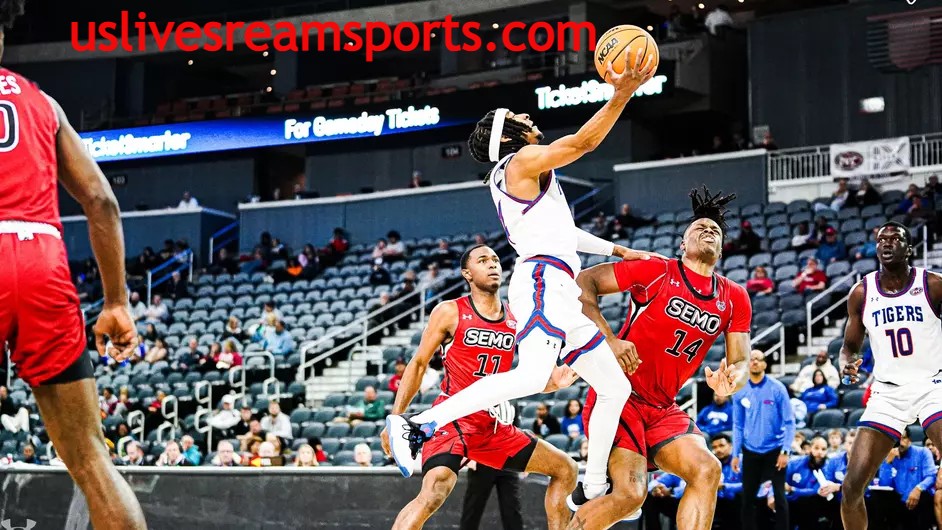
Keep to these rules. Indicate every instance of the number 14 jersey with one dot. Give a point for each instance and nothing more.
(674, 317)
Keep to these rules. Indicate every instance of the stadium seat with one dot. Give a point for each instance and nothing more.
(364, 382)
(779, 231)
(848, 212)
(865, 266)
(828, 419)
(300, 415)
(344, 458)
(785, 272)
(738, 275)
(559, 441)
(795, 318)
(765, 303)
(335, 400)
(855, 238)
(750, 210)
(733, 262)
(764, 320)
(565, 394)
(364, 430)
(337, 430)
(800, 217)
(762, 259)
(853, 399)
(837, 269)
(799, 205)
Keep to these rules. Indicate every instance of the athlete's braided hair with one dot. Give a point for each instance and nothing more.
(480, 140)
(710, 206)
(9, 10)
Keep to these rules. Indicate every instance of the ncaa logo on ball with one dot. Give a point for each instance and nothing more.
(607, 49)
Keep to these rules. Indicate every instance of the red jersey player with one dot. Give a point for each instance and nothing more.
(476, 336)
(40, 318)
(677, 310)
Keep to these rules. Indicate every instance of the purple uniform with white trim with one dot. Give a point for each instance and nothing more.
(906, 337)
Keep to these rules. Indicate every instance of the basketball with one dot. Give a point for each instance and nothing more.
(610, 48)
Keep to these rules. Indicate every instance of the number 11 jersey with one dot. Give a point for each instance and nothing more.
(674, 317)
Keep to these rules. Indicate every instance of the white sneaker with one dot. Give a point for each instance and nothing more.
(405, 440)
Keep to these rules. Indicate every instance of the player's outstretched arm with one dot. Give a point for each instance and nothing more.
(594, 282)
(853, 335)
(533, 160)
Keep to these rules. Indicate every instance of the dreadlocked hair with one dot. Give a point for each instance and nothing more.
(710, 206)
(9, 10)
(480, 140)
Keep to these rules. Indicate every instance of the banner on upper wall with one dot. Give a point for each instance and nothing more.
(552, 103)
(877, 157)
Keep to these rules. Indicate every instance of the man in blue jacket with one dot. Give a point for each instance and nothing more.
(808, 509)
(914, 481)
(763, 430)
(717, 416)
(663, 498)
(728, 500)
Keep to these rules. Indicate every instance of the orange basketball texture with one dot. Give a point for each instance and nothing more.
(611, 48)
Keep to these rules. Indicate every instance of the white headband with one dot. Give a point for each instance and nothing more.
(497, 131)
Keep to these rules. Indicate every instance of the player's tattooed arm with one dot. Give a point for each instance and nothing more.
(853, 335)
(439, 331)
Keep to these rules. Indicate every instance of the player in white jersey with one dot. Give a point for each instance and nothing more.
(543, 293)
(899, 308)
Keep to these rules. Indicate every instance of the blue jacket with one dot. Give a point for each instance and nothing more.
(732, 481)
(828, 251)
(767, 411)
(671, 482)
(566, 421)
(714, 419)
(915, 468)
(800, 476)
(836, 469)
(816, 396)
(279, 343)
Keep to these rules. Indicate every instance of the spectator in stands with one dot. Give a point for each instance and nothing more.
(276, 421)
(803, 238)
(571, 422)
(715, 19)
(278, 249)
(88, 288)
(246, 418)
(278, 341)
(616, 231)
(835, 441)
(868, 249)
(629, 220)
(930, 445)
(820, 396)
(305, 457)
(583, 452)
(379, 250)
(309, 261)
(157, 311)
(134, 454)
(166, 253)
(545, 423)
(319, 453)
(443, 256)
(760, 284)
(336, 248)
(172, 456)
(432, 281)
(739, 143)
(805, 377)
(150, 333)
(123, 405)
(831, 248)
(369, 408)
(229, 357)
(915, 475)
(13, 416)
(362, 455)
(932, 192)
(190, 451)
(799, 409)
(664, 494)
(718, 146)
(225, 455)
(395, 250)
(479, 239)
(177, 287)
(728, 496)
(106, 401)
(275, 441)
(223, 263)
(408, 300)
(811, 278)
(377, 324)
(157, 352)
(599, 225)
(270, 314)
(255, 263)
(145, 261)
(416, 180)
(188, 202)
(806, 507)
(379, 275)
(839, 198)
(188, 358)
(265, 450)
(748, 242)
(138, 308)
(226, 417)
(918, 215)
(400, 368)
(717, 416)
(798, 440)
(867, 195)
(768, 143)
(906, 203)
(233, 330)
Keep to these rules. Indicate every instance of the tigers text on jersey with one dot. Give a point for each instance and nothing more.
(674, 317)
(28, 162)
(542, 226)
(480, 347)
(905, 330)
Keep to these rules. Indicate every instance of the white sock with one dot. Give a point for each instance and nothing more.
(536, 364)
(603, 373)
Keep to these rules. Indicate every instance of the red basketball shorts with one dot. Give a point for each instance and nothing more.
(474, 438)
(644, 428)
(40, 318)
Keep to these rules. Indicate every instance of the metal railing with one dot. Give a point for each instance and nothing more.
(692, 402)
(136, 423)
(851, 278)
(218, 235)
(204, 407)
(172, 418)
(814, 163)
(594, 192)
(185, 260)
(776, 347)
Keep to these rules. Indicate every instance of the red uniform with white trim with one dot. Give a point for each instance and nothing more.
(480, 347)
(674, 317)
(40, 317)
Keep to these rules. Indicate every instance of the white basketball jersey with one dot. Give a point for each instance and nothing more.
(543, 226)
(905, 331)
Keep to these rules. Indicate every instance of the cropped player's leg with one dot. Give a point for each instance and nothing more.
(563, 473)
(871, 446)
(69, 406)
(688, 458)
(599, 368)
(436, 487)
(629, 472)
